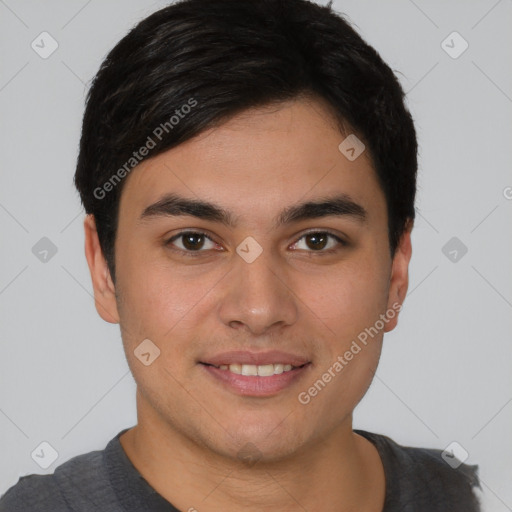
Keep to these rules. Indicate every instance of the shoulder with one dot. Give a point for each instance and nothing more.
(68, 484)
(421, 479)
(33, 492)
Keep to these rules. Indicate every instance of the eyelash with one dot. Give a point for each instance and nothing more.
(195, 254)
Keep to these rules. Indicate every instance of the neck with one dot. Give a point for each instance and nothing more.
(343, 472)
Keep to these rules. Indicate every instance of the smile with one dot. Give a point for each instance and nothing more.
(264, 370)
(255, 375)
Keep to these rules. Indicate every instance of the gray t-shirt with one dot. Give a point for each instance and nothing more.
(417, 480)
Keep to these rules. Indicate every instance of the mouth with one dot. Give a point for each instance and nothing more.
(256, 374)
(253, 370)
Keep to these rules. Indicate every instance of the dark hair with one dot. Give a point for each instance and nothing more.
(196, 63)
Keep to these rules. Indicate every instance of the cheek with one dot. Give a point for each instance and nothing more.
(154, 309)
(163, 303)
(350, 298)
(351, 303)
(152, 304)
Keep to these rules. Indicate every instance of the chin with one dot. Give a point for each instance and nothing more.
(252, 451)
(268, 440)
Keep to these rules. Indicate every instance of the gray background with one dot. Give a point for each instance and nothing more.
(445, 372)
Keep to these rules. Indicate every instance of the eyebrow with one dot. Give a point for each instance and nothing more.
(173, 205)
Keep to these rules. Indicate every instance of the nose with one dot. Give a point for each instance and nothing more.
(257, 297)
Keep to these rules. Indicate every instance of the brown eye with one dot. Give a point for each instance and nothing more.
(191, 241)
(319, 241)
(316, 241)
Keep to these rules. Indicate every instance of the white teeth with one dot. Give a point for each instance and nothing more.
(263, 370)
(278, 368)
(236, 368)
(249, 369)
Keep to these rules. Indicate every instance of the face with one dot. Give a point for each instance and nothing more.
(255, 296)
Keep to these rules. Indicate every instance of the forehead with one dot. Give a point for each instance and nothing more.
(258, 162)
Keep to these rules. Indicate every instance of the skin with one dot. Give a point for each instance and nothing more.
(292, 298)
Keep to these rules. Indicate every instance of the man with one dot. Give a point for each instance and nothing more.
(248, 171)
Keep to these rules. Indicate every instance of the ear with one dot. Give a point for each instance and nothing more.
(104, 289)
(399, 278)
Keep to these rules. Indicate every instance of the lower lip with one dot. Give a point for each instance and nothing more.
(252, 385)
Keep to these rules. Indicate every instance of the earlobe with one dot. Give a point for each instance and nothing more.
(399, 279)
(104, 289)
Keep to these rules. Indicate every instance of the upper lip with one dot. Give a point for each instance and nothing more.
(256, 358)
